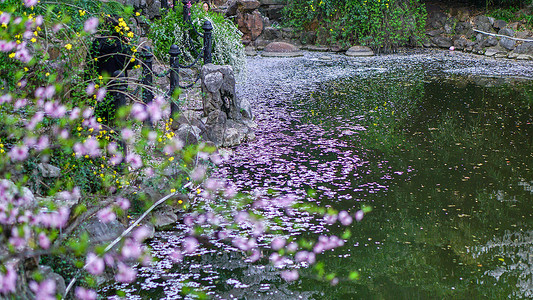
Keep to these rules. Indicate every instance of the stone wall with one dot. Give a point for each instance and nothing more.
(459, 30)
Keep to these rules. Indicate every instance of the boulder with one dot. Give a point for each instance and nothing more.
(271, 33)
(189, 134)
(483, 23)
(100, 232)
(442, 41)
(460, 43)
(508, 44)
(490, 42)
(163, 219)
(250, 51)
(49, 171)
(464, 28)
(248, 5)
(218, 88)
(250, 24)
(435, 32)
(507, 32)
(20, 197)
(281, 49)
(499, 24)
(524, 48)
(216, 126)
(359, 51)
(494, 51)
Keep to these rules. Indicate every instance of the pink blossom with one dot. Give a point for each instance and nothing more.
(45, 290)
(5, 98)
(90, 89)
(359, 215)
(87, 113)
(44, 241)
(277, 243)
(18, 153)
(85, 294)
(49, 91)
(90, 25)
(125, 274)
(100, 94)
(109, 260)
(7, 46)
(106, 215)
(176, 255)
(290, 275)
(198, 173)
(91, 147)
(131, 249)
(127, 134)
(345, 218)
(39, 20)
(94, 264)
(5, 18)
(134, 160)
(43, 143)
(30, 3)
(20, 103)
(305, 256)
(123, 203)
(292, 247)
(189, 245)
(255, 256)
(330, 219)
(116, 159)
(8, 281)
(138, 112)
(141, 233)
(23, 55)
(36, 119)
(75, 113)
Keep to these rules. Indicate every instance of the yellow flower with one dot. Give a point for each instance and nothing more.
(11, 55)
(173, 191)
(132, 59)
(68, 46)
(130, 34)
(171, 158)
(47, 74)
(180, 202)
(137, 14)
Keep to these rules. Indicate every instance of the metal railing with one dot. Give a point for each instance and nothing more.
(147, 77)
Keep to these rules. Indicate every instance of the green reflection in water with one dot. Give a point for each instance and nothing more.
(458, 226)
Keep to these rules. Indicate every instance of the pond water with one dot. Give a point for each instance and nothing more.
(439, 144)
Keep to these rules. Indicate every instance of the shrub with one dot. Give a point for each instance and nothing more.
(171, 29)
(382, 25)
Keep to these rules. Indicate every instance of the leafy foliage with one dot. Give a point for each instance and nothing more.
(171, 29)
(382, 25)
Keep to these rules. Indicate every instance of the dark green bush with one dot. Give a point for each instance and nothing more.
(383, 25)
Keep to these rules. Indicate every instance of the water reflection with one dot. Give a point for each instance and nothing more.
(441, 150)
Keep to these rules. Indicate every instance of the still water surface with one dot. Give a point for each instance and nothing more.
(439, 144)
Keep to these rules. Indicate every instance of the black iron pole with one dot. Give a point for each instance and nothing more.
(147, 78)
(174, 77)
(208, 30)
(186, 10)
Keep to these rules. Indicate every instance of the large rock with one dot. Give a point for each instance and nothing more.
(218, 88)
(508, 44)
(359, 51)
(442, 41)
(189, 134)
(49, 171)
(499, 24)
(100, 232)
(271, 33)
(524, 48)
(281, 49)
(248, 5)
(19, 197)
(250, 24)
(164, 220)
(216, 126)
(464, 28)
(483, 23)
